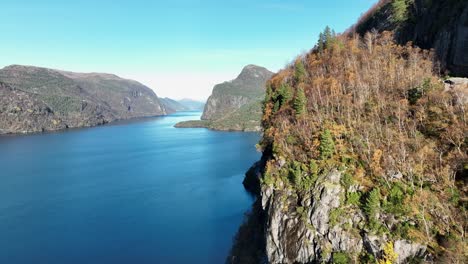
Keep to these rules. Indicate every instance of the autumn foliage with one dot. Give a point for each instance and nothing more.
(394, 129)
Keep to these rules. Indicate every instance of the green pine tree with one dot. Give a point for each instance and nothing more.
(268, 93)
(276, 107)
(326, 39)
(285, 94)
(328, 35)
(321, 42)
(300, 102)
(327, 146)
(299, 72)
(372, 205)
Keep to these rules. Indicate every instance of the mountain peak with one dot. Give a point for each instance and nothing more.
(252, 73)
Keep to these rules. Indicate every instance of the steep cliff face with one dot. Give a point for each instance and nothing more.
(305, 229)
(230, 96)
(235, 105)
(219, 105)
(71, 99)
(364, 152)
(440, 25)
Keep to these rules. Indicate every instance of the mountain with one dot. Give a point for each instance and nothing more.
(192, 105)
(173, 106)
(440, 25)
(39, 99)
(364, 158)
(235, 105)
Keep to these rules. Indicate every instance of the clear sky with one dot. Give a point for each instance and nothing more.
(180, 48)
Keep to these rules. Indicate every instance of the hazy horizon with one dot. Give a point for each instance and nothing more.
(179, 49)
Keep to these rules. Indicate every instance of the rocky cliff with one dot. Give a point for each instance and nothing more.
(38, 99)
(235, 105)
(229, 96)
(364, 160)
(440, 25)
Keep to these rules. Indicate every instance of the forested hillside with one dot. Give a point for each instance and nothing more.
(364, 159)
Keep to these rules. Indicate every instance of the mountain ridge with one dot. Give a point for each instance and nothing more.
(75, 99)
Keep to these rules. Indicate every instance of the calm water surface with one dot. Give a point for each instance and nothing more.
(137, 192)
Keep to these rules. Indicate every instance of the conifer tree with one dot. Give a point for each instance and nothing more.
(326, 39)
(327, 146)
(299, 72)
(328, 35)
(285, 94)
(300, 102)
(321, 42)
(268, 93)
(372, 204)
(276, 107)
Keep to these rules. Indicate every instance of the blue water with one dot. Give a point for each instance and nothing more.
(135, 192)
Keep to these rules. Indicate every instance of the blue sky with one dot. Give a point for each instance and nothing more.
(180, 48)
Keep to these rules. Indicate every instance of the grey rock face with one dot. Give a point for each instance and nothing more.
(219, 105)
(457, 81)
(308, 236)
(304, 237)
(450, 38)
(328, 199)
(373, 244)
(460, 53)
(407, 250)
(459, 87)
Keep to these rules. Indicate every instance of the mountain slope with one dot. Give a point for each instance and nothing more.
(440, 25)
(76, 99)
(235, 105)
(172, 106)
(365, 159)
(23, 112)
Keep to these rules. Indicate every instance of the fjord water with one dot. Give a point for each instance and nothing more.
(134, 192)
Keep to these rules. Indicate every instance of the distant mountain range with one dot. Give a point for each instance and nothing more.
(34, 99)
(235, 105)
(192, 105)
(173, 106)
